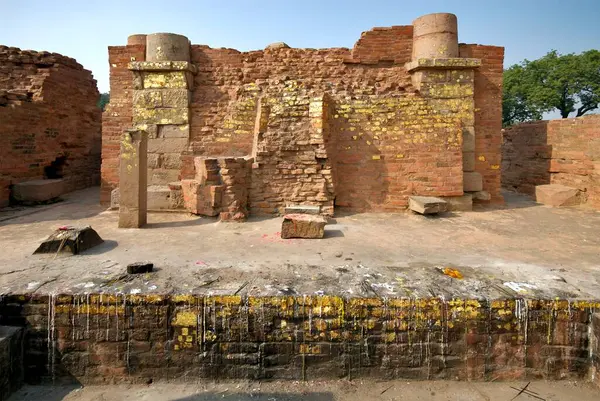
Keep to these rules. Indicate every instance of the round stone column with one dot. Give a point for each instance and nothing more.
(138, 39)
(435, 36)
(167, 47)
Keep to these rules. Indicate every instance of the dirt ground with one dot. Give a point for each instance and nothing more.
(319, 391)
(522, 249)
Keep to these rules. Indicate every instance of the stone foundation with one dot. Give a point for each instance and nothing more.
(103, 338)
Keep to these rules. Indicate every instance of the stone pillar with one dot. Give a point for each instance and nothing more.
(161, 106)
(137, 39)
(133, 179)
(448, 81)
(167, 47)
(435, 36)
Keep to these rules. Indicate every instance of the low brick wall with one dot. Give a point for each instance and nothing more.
(595, 348)
(11, 360)
(136, 338)
(565, 151)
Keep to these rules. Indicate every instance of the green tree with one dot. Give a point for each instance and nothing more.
(103, 100)
(568, 83)
(516, 104)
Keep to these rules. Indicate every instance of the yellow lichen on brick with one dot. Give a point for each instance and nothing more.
(184, 318)
(171, 80)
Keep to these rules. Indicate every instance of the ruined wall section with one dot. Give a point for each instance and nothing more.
(565, 151)
(291, 162)
(225, 105)
(48, 110)
(116, 338)
(393, 147)
(384, 44)
(229, 86)
(488, 114)
(117, 116)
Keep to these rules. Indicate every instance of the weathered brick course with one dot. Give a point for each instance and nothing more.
(103, 338)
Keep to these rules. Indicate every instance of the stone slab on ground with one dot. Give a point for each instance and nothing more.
(140, 267)
(427, 204)
(11, 360)
(462, 203)
(557, 195)
(302, 209)
(70, 239)
(303, 226)
(38, 190)
(482, 196)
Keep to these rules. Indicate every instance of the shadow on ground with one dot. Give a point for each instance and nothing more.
(259, 397)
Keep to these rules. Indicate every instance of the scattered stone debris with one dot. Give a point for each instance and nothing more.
(70, 239)
(427, 204)
(557, 195)
(303, 226)
(140, 267)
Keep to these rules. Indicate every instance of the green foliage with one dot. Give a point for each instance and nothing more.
(103, 100)
(516, 104)
(568, 83)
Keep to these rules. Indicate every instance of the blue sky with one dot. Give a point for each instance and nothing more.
(84, 28)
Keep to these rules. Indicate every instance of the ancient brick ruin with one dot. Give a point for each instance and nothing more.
(565, 152)
(50, 126)
(407, 111)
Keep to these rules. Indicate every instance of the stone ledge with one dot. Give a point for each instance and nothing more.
(456, 63)
(162, 66)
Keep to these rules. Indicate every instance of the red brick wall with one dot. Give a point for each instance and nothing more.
(384, 44)
(47, 110)
(224, 108)
(390, 148)
(488, 114)
(565, 151)
(116, 338)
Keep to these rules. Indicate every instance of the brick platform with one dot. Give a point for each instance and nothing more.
(104, 338)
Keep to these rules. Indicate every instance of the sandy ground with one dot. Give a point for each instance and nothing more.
(318, 391)
(523, 249)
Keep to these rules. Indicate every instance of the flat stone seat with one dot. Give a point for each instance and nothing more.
(300, 225)
(427, 204)
(303, 209)
(38, 190)
(557, 195)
